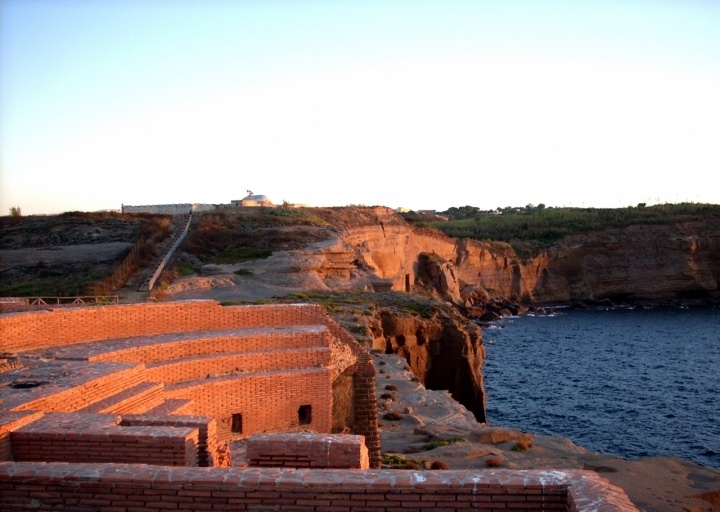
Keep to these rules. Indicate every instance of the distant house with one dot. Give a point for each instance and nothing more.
(252, 200)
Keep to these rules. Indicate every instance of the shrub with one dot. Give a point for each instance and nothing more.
(184, 270)
(412, 464)
(392, 416)
(494, 462)
(522, 445)
(439, 464)
(391, 387)
(243, 272)
(444, 442)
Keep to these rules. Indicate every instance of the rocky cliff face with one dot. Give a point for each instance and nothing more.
(444, 351)
(650, 262)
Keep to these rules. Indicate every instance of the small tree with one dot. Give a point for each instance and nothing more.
(15, 211)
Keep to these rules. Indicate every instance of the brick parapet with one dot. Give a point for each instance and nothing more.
(142, 488)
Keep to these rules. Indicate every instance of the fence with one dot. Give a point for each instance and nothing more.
(8, 304)
(124, 270)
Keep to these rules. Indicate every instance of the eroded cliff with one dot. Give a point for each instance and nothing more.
(443, 350)
(644, 262)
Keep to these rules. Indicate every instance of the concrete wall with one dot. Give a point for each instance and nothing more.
(170, 209)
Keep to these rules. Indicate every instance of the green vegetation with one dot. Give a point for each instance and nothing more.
(243, 272)
(46, 276)
(444, 442)
(184, 270)
(251, 234)
(397, 461)
(363, 302)
(533, 228)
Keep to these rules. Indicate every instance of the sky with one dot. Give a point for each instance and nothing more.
(418, 104)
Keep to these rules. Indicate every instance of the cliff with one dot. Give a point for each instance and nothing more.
(644, 262)
(443, 351)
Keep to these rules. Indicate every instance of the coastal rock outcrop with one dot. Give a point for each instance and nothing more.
(443, 350)
(375, 249)
(650, 262)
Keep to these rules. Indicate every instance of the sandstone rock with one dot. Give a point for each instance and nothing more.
(443, 352)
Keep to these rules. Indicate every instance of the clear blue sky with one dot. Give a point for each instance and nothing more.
(422, 104)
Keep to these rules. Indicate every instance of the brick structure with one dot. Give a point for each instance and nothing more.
(141, 488)
(245, 369)
(309, 451)
(114, 408)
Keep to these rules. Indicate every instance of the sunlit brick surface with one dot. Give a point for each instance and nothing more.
(114, 408)
(152, 489)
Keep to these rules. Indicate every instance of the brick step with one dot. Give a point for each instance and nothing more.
(87, 387)
(168, 407)
(208, 366)
(137, 400)
(164, 347)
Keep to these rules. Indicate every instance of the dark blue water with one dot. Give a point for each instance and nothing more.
(625, 382)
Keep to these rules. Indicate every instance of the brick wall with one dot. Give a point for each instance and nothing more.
(307, 450)
(201, 367)
(181, 345)
(142, 488)
(207, 445)
(248, 395)
(32, 330)
(100, 438)
(10, 422)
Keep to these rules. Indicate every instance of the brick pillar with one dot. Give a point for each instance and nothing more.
(366, 423)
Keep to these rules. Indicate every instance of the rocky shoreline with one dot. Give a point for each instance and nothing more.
(425, 428)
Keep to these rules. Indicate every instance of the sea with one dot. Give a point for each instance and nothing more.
(621, 381)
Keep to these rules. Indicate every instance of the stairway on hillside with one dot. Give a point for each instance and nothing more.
(166, 250)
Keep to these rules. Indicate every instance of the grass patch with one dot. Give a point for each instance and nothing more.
(396, 461)
(538, 227)
(231, 255)
(184, 270)
(444, 442)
